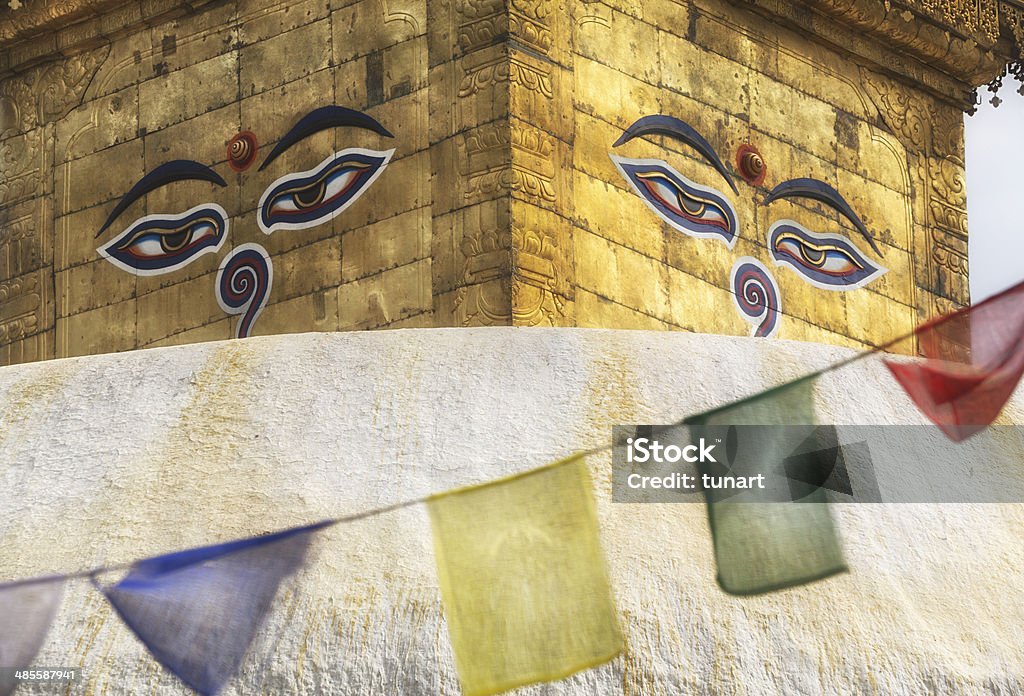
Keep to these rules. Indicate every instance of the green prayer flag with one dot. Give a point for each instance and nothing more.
(780, 533)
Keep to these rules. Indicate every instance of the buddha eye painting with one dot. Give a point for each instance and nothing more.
(509, 347)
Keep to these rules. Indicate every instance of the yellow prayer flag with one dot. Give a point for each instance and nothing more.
(523, 578)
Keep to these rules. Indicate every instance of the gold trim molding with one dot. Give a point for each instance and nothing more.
(41, 30)
(949, 47)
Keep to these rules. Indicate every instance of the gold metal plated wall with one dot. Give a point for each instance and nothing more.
(177, 172)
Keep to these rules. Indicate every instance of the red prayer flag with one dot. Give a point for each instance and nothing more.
(974, 359)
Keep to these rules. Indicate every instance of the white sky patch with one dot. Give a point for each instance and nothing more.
(995, 192)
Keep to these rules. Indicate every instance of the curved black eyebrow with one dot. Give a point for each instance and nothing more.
(169, 172)
(823, 193)
(659, 124)
(321, 119)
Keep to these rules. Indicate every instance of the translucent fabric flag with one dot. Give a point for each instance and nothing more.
(974, 359)
(26, 611)
(782, 534)
(197, 611)
(523, 578)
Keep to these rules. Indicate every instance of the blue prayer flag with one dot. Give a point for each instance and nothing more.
(197, 611)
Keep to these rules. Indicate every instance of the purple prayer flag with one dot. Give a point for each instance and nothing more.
(197, 611)
(26, 611)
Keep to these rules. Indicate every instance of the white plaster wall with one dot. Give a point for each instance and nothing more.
(110, 458)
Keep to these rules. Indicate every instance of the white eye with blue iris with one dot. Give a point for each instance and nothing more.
(695, 210)
(306, 199)
(158, 244)
(827, 261)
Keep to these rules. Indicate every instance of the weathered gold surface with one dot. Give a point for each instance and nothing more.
(501, 205)
(925, 41)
